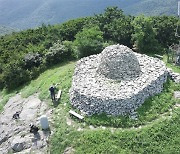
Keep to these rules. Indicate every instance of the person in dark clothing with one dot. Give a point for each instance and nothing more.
(33, 129)
(16, 115)
(52, 92)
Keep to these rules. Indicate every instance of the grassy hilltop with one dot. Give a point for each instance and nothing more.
(32, 60)
(156, 130)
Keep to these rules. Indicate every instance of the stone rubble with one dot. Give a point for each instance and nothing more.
(116, 81)
(174, 76)
(120, 64)
(177, 94)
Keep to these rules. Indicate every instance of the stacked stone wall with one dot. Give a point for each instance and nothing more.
(93, 92)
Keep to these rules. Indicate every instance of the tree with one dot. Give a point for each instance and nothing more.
(69, 29)
(14, 75)
(166, 29)
(59, 52)
(89, 41)
(115, 26)
(144, 35)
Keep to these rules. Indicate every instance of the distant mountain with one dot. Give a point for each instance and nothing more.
(6, 30)
(152, 7)
(32, 13)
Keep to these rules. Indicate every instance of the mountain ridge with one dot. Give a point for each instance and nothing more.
(6, 30)
(31, 13)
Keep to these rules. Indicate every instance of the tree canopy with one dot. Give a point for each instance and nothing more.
(89, 41)
(25, 54)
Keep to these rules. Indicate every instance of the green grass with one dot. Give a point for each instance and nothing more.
(161, 138)
(4, 97)
(149, 111)
(160, 135)
(60, 74)
(170, 65)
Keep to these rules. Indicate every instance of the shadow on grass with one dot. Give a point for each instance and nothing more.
(55, 103)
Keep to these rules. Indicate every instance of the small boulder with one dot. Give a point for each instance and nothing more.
(18, 144)
(177, 94)
(44, 122)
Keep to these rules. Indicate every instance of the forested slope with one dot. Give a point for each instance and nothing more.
(152, 7)
(24, 55)
(32, 13)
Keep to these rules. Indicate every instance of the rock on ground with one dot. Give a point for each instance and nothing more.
(177, 94)
(14, 133)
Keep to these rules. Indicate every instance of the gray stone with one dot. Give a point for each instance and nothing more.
(18, 144)
(44, 122)
(14, 134)
(3, 139)
(177, 94)
(116, 81)
(174, 76)
(118, 62)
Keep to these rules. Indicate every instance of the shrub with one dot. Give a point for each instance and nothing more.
(89, 41)
(35, 71)
(144, 35)
(57, 53)
(14, 75)
(1, 81)
(32, 60)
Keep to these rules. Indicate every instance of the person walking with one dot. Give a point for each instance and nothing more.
(52, 92)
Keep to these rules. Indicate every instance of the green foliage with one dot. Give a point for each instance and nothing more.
(32, 51)
(24, 55)
(166, 28)
(14, 75)
(89, 41)
(57, 53)
(32, 60)
(115, 26)
(144, 35)
(69, 29)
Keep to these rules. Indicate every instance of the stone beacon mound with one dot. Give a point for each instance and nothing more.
(116, 81)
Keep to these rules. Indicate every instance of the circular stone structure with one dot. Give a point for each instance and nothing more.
(116, 81)
(119, 63)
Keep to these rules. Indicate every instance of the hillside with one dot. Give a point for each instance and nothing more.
(33, 59)
(6, 30)
(157, 129)
(26, 54)
(31, 13)
(152, 7)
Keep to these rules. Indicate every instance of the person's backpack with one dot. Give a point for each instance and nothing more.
(16, 115)
(33, 129)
